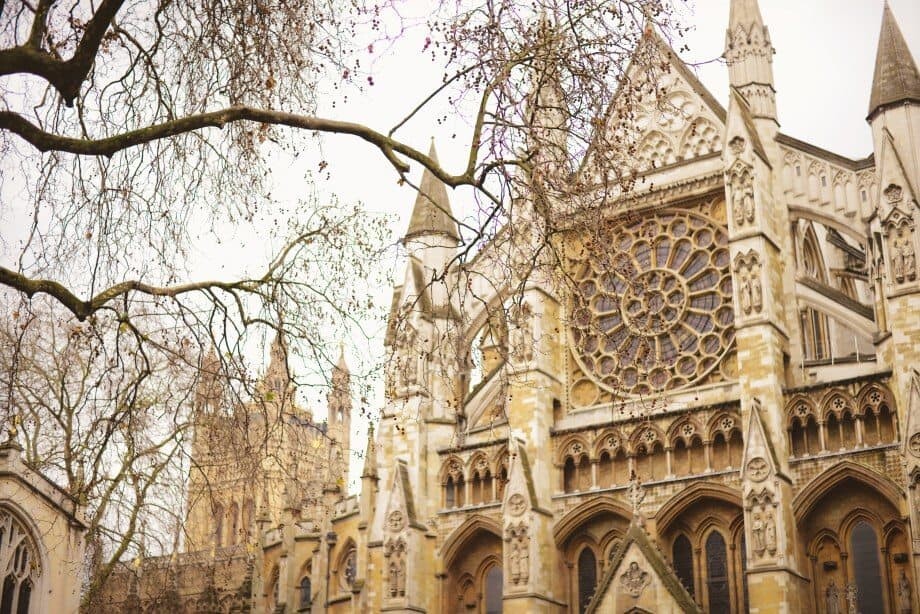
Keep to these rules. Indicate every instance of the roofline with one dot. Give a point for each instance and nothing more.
(855, 165)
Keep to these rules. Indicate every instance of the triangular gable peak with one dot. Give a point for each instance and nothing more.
(639, 579)
(891, 173)
(520, 494)
(400, 505)
(759, 459)
(662, 113)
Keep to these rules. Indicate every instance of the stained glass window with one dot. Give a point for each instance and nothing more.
(717, 573)
(305, 590)
(587, 578)
(866, 568)
(494, 590)
(682, 555)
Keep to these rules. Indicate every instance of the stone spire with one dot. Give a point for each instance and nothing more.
(749, 54)
(370, 456)
(432, 214)
(896, 77)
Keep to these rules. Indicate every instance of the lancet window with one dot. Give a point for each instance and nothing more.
(18, 551)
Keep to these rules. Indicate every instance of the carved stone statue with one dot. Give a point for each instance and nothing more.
(742, 198)
(905, 603)
(746, 302)
(832, 598)
(518, 553)
(769, 533)
(756, 290)
(523, 340)
(852, 606)
(757, 534)
(903, 257)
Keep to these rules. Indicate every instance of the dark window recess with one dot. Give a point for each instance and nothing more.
(682, 555)
(587, 578)
(717, 572)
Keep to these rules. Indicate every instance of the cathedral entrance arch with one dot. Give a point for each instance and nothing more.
(701, 532)
(587, 537)
(472, 557)
(855, 541)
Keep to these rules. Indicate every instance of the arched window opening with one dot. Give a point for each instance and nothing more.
(832, 433)
(218, 525)
(812, 263)
(697, 456)
(450, 499)
(719, 452)
(568, 475)
(812, 437)
(605, 470)
(620, 467)
(493, 590)
(659, 462)
(234, 517)
(814, 335)
(487, 487)
(22, 566)
(798, 438)
(502, 482)
(587, 578)
(848, 430)
(867, 570)
(680, 458)
(460, 492)
(584, 473)
(305, 592)
(886, 425)
(870, 427)
(682, 558)
(477, 489)
(717, 573)
(735, 448)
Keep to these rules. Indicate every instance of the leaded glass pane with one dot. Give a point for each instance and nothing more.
(717, 574)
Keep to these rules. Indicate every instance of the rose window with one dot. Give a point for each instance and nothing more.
(654, 305)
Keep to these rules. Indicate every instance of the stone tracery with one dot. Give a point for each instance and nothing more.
(657, 315)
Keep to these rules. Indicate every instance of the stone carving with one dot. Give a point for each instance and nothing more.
(634, 580)
(758, 469)
(747, 270)
(522, 342)
(396, 521)
(913, 444)
(394, 552)
(517, 504)
(769, 533)
(736, 145)
(832, 598)
(757, 533)
(518, 540)
(903, 256)
(763, 524)
(894, 194)
(742, 194)
(905, 603)
(852, 592)
(635, 494)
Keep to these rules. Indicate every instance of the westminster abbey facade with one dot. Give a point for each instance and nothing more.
(724, 419)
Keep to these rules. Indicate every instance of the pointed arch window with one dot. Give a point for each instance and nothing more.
(493, 590)
(682, 557)
(717, 573)
(22, 566)
(569, 483)
(305, 592)
(864, 551)
(587, 578)
(450, 499)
